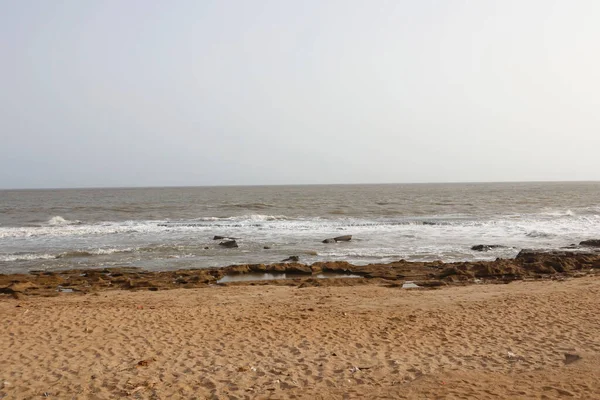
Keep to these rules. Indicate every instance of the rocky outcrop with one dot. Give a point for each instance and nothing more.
(291, 258)
(552, 262)
(529, 264)
(16, 289)
(332, 266)
(294, 268)
(286, 268)
(590, 243)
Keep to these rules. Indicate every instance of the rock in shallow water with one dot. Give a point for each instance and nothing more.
(485, 247)
(591, 243)
(344, 238)
(229, 244)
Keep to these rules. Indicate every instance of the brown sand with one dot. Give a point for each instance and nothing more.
(370, 341)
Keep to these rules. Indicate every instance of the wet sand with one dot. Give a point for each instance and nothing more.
(482, 341)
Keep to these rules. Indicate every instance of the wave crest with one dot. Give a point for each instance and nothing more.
(60, 221)
(558, 213)
(67, 254)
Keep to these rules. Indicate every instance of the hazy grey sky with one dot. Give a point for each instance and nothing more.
(145, 93)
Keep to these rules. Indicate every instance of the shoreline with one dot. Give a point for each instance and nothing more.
(527, 265)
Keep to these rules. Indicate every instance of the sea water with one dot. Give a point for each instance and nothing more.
(173, 228)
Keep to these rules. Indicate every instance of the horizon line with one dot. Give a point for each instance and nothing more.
(291, 184)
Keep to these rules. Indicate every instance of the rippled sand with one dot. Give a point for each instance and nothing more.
(479, 341)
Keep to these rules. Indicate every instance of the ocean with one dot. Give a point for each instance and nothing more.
(173, 228)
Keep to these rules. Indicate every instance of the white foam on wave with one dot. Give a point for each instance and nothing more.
(558, 213)
(66, 254)
(373, 239)
(60, 221)
(26, 257)
(508, 226)
(95, 252)
(101, 252)
(104, 228)
(248, 217)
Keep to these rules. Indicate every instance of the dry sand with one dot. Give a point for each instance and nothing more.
(478, 341)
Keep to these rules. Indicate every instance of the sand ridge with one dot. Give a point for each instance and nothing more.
(246, 342)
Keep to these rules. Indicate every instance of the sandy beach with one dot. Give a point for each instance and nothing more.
(299, 200)
(366, 341)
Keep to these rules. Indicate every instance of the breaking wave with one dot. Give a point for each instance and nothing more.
(558, 213)
(66, 254)
(60, 221)
(534, 225)
(26, 257)
(250, 217)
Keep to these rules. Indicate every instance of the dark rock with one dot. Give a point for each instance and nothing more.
(590, 243)
(267, 247)
(217, 237)
(145, 363)
(206, 247)
(550, 262)
(571, 358)
(485, 247)
(292, 258)
(229, 244)
(571, 246)
(526, 253)
(430, 283)
(345, 238)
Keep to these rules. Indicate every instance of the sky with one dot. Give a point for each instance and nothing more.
(189, 93)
